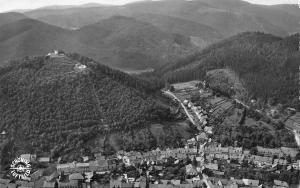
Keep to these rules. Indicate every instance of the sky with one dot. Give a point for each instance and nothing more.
(7, 5)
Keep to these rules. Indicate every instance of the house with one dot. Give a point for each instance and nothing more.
(3, 134)
(274, 112)
(190, 170)
(181, 156)
(69, 184)
(127, 185)
(269, 151)
(191, 141)
(29, 157)
(76, 176)
(65, 167)
(12, 185)
(201, 137)
(115, 183)
(258, 160)
(235, 150)
(280, 161)
(291, 111)
(88, 176)
(289, 151)
(47, 184)
(4, 181)
(239, 182)
(279, 183)
(96, 184)
(185, 186)
(296, 165)
(212, 166)
(73, 167)
(208, 130)
(100, 165)
(99, 156)
(80, 67)
(165, 182)
(24, 184)
(37, 174)
(158, 168)
(246, 152)
(55, 53)
(44, 159)
(82, 167)
(218, 173)
(85, 159)
(52, 177)
(226, 183)
(250, 182)
(185, 102)
(175, 182)
(223, 149)
(222, 156)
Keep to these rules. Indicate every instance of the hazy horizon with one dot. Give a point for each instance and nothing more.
(13, 5)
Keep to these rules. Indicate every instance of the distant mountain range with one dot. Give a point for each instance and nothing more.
(6, 18)
(228, 17)
(140, 35)
(117, 41)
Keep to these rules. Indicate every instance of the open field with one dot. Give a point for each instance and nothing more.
(293, 122)
(186, 85)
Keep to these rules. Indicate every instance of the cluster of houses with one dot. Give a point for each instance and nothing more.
(34, 158)
(80, 67)
(6, 183)
(264, 157)
(55, 54)
(201, 114)
(80, 175)
(78, 180)
(189, 183)
(100, 164)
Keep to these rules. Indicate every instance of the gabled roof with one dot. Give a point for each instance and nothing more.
(12, 185)
(251, 182)
(72, 183)
(44, 159)
(24, 183)
(4, 181)
(76, 176)
(281, 183)
(48, 184)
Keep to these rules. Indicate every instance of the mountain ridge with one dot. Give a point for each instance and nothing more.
(51, 103)
(266, 64)
(31, 37)
(240, 14)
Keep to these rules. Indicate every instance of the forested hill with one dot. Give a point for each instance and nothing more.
(52, 103)
(267, 65)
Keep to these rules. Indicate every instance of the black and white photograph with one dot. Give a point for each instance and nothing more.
(149, 94)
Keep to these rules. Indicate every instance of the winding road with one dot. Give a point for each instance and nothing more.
(185, 109)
